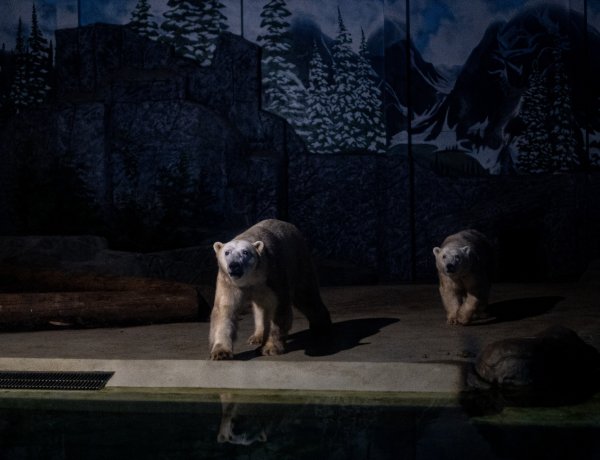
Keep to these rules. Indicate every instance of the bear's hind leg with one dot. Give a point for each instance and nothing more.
(307, 300)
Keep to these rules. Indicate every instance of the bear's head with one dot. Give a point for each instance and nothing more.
(238, 258)
(452, 260)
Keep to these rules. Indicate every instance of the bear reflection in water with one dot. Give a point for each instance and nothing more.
(346, 427)
(231, 418)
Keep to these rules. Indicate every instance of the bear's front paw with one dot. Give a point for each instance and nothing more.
(272, 349)
(464, 318)
(255, 339)
(452, 319)
(219, 352)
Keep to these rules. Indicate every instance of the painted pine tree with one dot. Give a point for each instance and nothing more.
(283, 91)
(561, 120)
(179, 26)
(142, 21)
(318, 107)
(193, 26)
(347, 133)
(193, 29)
(18, 95)
(38, 74)
(212, 23)
(369, 103)
(534, 150)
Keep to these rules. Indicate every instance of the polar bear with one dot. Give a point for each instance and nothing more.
(464, 263)
(268, 267)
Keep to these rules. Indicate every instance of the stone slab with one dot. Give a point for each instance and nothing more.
(267, 375)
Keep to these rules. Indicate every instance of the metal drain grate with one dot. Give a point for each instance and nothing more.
(36, 380)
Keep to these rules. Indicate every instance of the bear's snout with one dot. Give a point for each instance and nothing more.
(450, 268)
(235, 269)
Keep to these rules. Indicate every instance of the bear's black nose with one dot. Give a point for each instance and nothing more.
(450, 268)
(235, 269)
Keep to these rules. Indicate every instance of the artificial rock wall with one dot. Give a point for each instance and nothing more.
(155, 152)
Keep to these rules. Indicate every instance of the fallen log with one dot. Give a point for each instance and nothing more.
(22, 279)
(32, 299)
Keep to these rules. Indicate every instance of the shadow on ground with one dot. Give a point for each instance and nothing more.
(516, 309)
(344, 335)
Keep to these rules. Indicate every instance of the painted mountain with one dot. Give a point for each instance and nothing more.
(388, 51)
(523, 99)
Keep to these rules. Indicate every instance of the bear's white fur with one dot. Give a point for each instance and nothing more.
(268, 267)
(464, 264)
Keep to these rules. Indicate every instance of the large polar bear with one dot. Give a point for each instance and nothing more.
(464, 264)
(268, 267)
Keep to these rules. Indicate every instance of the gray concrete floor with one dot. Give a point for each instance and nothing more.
(371, 324)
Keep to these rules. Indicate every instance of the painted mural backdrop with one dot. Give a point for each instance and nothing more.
(467, 87)
(512, 85)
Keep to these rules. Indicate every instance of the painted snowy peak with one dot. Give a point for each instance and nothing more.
(391, 41)
(392, 32)
(485, 111)
(389, 54)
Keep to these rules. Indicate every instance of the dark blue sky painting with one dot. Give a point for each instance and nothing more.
(444, 31)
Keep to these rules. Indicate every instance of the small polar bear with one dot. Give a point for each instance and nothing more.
(464, 263)
(267, 267)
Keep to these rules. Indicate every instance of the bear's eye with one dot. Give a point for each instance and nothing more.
(227, 253)
(245, 252)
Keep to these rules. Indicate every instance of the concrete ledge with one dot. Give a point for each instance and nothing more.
(265, 375)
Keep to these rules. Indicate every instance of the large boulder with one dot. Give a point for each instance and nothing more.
(553, 367)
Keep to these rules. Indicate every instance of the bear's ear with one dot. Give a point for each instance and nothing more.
(466, 250)
(436, 251)
(259, 245)
(217, 247)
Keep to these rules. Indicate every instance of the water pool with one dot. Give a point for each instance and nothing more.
(130, 423)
